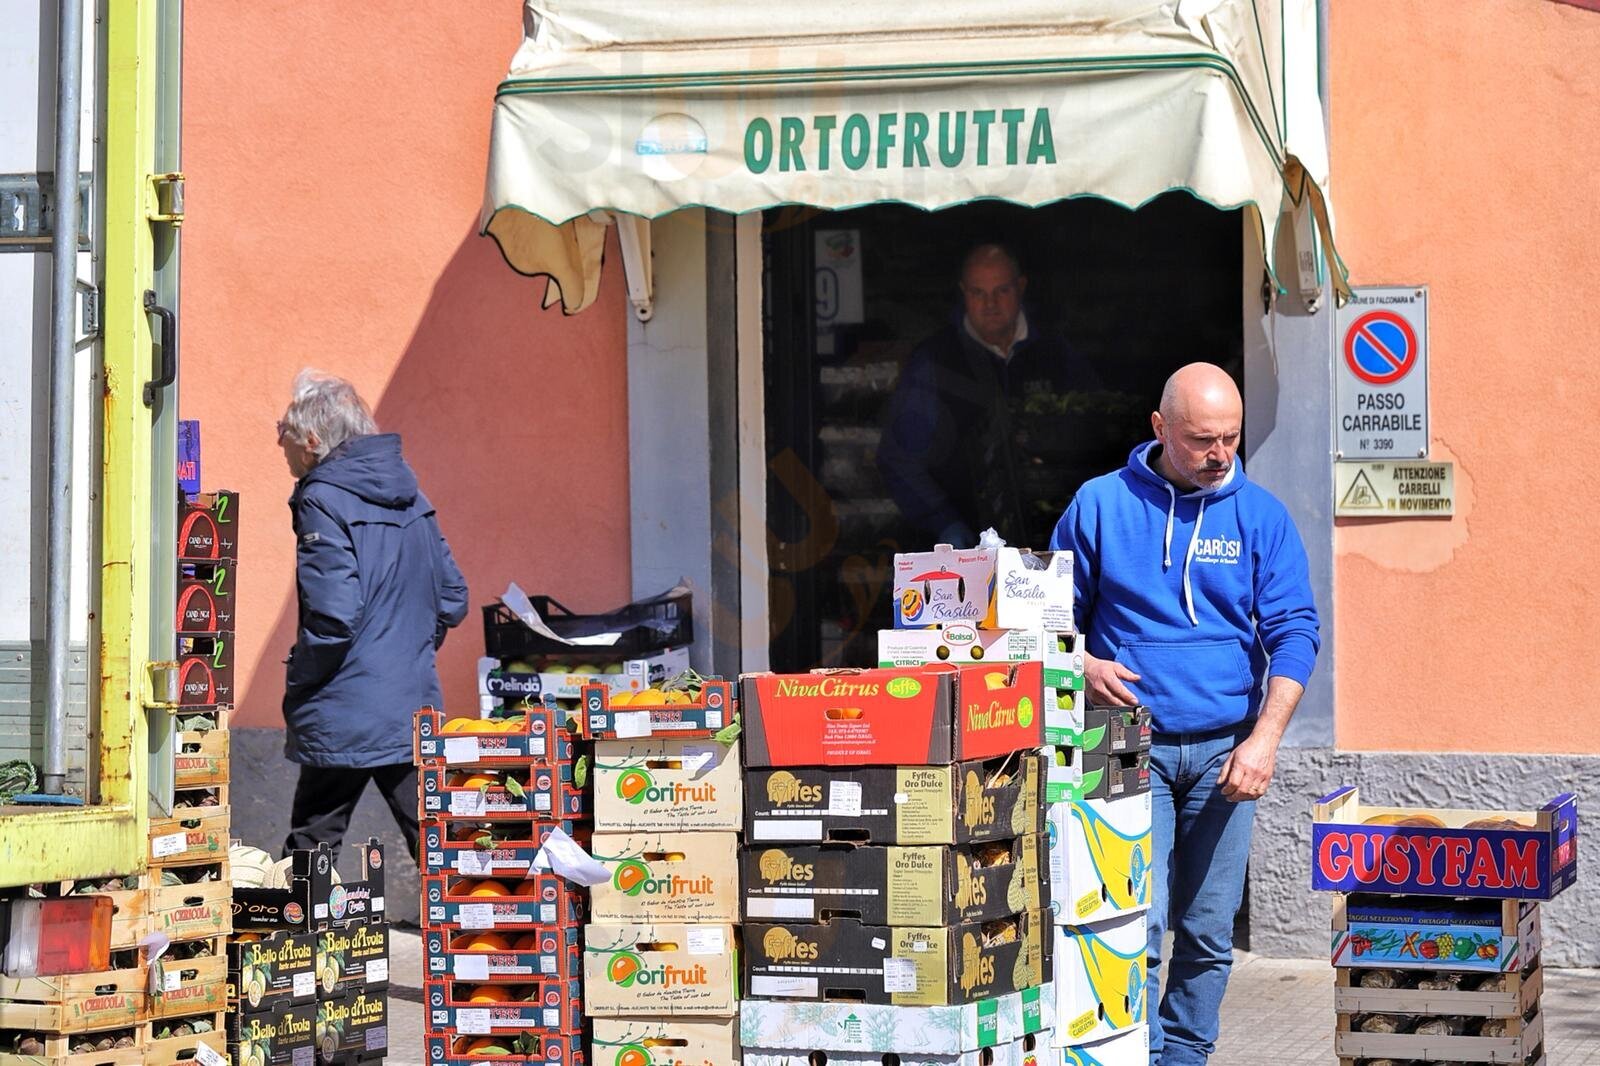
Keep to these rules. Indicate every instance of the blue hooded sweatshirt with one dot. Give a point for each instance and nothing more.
(1201, 594)
(378, 591)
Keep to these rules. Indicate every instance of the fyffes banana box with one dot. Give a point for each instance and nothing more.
(902, 886)
(1128, 1048)
(664, 1042)
(655, 783)
(661, 970)
(1100, 979)
(994, 799)
(1023, 1052)
(880, 1029)
(845, 959)
(1100, 854)
(666, 877)
(931, 715)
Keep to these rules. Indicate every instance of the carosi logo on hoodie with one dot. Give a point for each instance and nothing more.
(1218, 550)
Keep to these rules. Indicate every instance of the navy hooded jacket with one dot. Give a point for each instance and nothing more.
(378, 591)
(1202, 594)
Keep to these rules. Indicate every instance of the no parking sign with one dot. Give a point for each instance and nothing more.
(1381, 376)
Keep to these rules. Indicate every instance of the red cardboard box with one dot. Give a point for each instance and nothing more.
(540, 1005)
(529, 1049)
(205, 597)
(922, 716)
(205, 669)
(208, 527)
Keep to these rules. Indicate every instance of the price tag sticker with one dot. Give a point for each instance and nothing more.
(305, 985)
(844, 799)
(460, 749)
(168, 844)
(377, 970)
(630, 724)
(466, 803)
(705, 940)
(899, 975)
(208, 1056)
(473, 1021)
(171, 981)
(476, 915)
(470, 967)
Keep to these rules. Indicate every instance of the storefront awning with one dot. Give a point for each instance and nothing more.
(640, 108)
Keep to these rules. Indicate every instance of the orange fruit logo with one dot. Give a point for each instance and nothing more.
(624, 969)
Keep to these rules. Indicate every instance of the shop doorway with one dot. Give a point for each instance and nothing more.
(849, 297)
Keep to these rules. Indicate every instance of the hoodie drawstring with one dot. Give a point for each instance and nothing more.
(1172, 504)
(1194, 542)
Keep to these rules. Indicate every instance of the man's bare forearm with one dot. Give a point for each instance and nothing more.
(1283, 696)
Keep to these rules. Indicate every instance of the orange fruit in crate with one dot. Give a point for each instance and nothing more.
(482, 942)
(489, 888)
(246, 938)
(456, 725)
(476, 780)
(489, 994)
(649, 697)
(526, 942)
(619, 699)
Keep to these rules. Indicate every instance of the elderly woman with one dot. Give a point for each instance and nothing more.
(378, 590)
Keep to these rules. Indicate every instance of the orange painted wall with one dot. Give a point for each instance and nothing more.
(1464, 147)
(335, 156)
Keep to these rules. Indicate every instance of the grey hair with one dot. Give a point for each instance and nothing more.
(328, 408)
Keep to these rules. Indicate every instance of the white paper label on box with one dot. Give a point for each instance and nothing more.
(878, 944)
(713, 719)
(460, 749)
(786, 829)
(473, 863)
(547, 913)
(466, 803)
(695, 759)
(844, 799)
(470, 967)
(630, 724)
(920, 945)
(206, 1055)
(705, 940)
(168, 844)
(803, 908)
(901, 797)
(784, 987)
(552, 1019)
(171, 981)
(377, 904)
(473, 1021)
(899, 975)
(476, 916)
(319, 911)
(305, 984)
(377, 970)
(547, 964)
(541, 801)
(536, 745)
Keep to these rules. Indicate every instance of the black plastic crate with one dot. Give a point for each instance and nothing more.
(665, 621)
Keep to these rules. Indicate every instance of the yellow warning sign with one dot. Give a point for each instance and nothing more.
(1407, 489)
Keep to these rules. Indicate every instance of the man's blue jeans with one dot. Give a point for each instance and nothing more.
(1201, 843)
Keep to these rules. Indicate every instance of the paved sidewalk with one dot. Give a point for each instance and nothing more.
(1278, 1012)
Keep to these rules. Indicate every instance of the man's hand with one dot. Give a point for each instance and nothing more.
(1248, 769)
(1104, 680)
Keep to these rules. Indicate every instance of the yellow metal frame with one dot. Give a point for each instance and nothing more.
(111, 836)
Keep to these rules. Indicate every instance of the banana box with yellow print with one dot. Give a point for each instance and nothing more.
(992, 799)
(1100, 979)
(879, 1029)
(664, 1042)
(898, 886)
(666, 877)
(1032, 1050)
(1131, 1047)
(662, 784)
(846, 959)
(1099, 858)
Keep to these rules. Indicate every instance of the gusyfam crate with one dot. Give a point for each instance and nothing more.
(544, 900)
(641, 627)
(492, 849)
(542, 1004)
(614, 716)
(532, 735)
(501, 792)
(514, 1049)
(506, 955)
(1438, 992)
(1435, 933)
(74, 1003)
(1485, 853)
(1449, 1039)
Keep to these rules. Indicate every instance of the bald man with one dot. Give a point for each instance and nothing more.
(1193, 594)
(957, 454)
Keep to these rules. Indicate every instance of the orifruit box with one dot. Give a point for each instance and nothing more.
(1488, 854)
(1099, 858)
(273, 972)
(663, 784)
(932, 715)
(901, 886)
(884, 1029)
(656, 971)
(1434, 933)
(664, 1042)
(844, 959)
(1004, 588)
(666, 877)
(1100, 979)
(526, 681)
(284, 1035)
(990, 800)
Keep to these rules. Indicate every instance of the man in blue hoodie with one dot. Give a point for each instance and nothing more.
(378, 591)
(1193, 594)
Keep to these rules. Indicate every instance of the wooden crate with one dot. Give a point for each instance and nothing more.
(201, 759)
(193, 912)
(74, 1003)
(191, 986)
(1521, 995)
(180, 1050)
(189, 840)
(185, 793)
(57, 1052)
(1385, 935)
(1525, 1043)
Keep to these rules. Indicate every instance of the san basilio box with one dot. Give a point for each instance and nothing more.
(901, 886)
(994, 799)
(911, 966)
(995, 588)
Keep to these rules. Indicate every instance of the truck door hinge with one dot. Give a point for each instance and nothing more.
(162, 680)
(167, 199)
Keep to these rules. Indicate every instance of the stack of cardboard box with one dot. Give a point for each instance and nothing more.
(308, 966)
(896, 872)
(661, 951)
(1002, 607)
(1436, 935)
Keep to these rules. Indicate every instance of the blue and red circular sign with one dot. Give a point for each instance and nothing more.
(1380, 348)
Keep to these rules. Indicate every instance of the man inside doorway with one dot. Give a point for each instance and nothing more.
(969, 438)
(1193, 593)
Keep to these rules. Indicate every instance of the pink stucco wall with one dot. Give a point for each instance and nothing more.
(1464, 147)
(335, 156)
